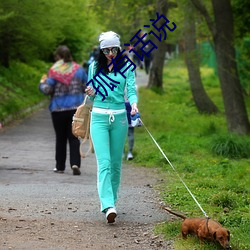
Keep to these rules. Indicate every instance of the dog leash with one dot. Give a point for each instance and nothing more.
(174, 169)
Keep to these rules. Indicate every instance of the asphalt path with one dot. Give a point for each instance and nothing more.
(31, 190)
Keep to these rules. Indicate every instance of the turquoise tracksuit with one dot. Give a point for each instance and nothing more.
(108, 131)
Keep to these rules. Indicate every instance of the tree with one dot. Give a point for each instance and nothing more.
(242, 33)
(156, 71)
(23, 33)
(28, 33)
(223, 37)
(201, 99)
(123, 17)
(241, 17)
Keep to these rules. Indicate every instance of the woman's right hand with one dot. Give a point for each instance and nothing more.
(134, 109)
(90, 91)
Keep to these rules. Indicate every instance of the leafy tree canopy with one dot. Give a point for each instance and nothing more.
(32, 30)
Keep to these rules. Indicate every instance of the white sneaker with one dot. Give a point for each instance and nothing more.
(130, 156)
(111, 214)
(58, 171)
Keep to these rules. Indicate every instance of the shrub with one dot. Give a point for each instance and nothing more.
(223, 200)
(231, 146)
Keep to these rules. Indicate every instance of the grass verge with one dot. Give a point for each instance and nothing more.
(214, 164)
(19, 89)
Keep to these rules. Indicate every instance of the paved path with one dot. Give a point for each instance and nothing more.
(27, 160)
(31, 191)
(26, 163)
(141, 78)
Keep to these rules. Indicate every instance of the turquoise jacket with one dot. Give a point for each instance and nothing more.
(112, 97)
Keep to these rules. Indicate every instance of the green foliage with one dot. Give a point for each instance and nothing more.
(241, 17)
(219, 183)
(243, 61)
(125, 17)
(29, 33)
(231, 146)
(19, 87)
(224, 200)
(242, 35)
(170, 230)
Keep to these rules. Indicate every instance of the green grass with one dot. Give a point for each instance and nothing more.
(19, 88)
(214, 164)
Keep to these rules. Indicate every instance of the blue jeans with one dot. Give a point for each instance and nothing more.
(108, 139)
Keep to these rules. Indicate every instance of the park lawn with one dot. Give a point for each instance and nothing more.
(19, 88)
(190, 141)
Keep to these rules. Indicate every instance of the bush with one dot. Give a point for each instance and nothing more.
(224, 200)
(231, 146)
(19, 88)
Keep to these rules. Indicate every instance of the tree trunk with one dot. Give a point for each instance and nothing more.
(201, 99)
(223, 37)
(235, 109)
(156, 71)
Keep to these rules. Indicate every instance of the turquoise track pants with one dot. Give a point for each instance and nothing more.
(108, 136)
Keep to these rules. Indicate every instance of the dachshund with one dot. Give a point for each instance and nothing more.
(204, 229)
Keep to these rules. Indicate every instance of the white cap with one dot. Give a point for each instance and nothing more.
(109, 39)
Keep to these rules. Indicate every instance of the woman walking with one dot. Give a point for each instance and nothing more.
(65, 84)
(109, 123)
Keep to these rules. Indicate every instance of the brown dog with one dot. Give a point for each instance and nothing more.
(204, 229)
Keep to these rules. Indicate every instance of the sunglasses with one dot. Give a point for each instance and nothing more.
(107, 51)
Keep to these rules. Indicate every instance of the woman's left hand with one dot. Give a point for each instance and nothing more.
(90, 91)
(134, 109)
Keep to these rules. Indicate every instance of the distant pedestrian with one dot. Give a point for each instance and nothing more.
(131, 130)
(130, 133)
(93, 55)
(65, 84)
(147, 59)
(109, 123)
(136, 59)
(131, 55)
